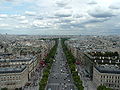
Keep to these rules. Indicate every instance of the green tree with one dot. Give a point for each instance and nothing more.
(49, 61)
(71, 62)
(102, 87)
(4, 88)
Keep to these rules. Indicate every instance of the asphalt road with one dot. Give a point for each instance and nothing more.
(60, 77)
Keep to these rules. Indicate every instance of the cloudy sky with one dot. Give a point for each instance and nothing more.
(60, 17)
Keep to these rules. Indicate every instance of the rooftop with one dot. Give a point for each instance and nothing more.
(18, 60)
(12, 69)
(113, 69)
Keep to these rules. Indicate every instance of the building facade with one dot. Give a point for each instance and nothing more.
(107, 75)
(14, 77)
(31, 64)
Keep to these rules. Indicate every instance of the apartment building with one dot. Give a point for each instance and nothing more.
(108, 75)
(30, 62)
(13, 77)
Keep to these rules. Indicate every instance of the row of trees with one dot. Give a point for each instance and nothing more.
(102, 87)
(46, 71)
(71, 62)
(4, 88)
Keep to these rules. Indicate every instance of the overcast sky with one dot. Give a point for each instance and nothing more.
(60, 17)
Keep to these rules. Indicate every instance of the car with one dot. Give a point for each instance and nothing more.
(67, 74)
(68, 80)
(49, 89)
(65, 86)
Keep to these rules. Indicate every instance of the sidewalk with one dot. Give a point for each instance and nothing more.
(35, 79)
(87, 83)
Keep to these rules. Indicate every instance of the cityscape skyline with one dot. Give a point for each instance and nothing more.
(59, 62)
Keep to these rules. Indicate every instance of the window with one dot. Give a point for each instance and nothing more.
(104, 76)
(1, 79)
(5, 78)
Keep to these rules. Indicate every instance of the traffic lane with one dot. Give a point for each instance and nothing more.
(60, 78)
(57, 67)
(61, 87)
(59, 70)
(53, 87)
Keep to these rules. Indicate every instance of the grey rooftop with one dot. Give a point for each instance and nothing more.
(108, 69)
(18, 60)
(12, 69)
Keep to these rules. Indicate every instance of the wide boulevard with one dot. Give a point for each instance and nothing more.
(60, 76)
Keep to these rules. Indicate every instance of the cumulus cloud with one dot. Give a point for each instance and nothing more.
(77, 25)
(3, 15)
(64, 20)
(101, 13)
(92, 2)
(63, 13)
(30, 13)
(18, 17)
(115, 6)
(4, 25)
(24, 21)
(10, 0)
(61, 4)
(41, 24)
(21, 17)
(21, 26)
(39, 18)
(94, 20)
(77, 15)
(70, 23)
(57, 14)
(80, 22)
